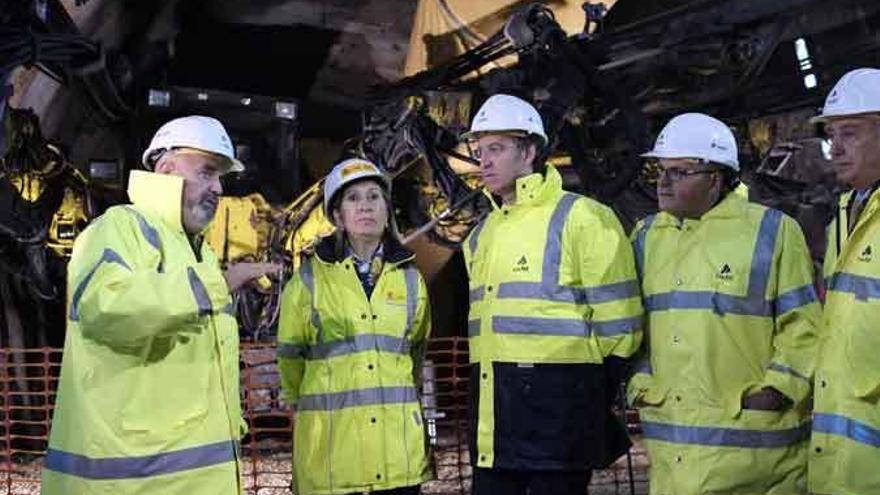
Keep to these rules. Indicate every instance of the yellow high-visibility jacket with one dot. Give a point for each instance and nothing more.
(554, 301)
(349, 365)
(731, 309)
(845, 446)
(148, 400)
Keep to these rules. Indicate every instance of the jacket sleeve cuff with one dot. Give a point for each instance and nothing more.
(865, 387)
(641, 387)
(210, 277)
(242, 427)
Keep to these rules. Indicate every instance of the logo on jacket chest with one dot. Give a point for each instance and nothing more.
(724, 273)
(395, 297)
(867, 254)
(521, 265)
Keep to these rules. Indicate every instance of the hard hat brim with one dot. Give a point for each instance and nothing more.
(824, 119)
(465, 136)
(677, 156)
(230, 164)
(378, 177)
(660, 155)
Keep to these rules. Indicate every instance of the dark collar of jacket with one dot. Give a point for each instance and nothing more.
(393, 251)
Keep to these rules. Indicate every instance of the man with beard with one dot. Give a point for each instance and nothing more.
(148, 399)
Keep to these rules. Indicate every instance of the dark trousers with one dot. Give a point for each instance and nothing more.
(509, 482)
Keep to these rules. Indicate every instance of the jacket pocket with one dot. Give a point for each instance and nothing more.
(647, 392)
(761, 419)
(167, 397)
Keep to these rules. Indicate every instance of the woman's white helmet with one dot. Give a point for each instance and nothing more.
(346, 172)
(699, 136)
(506, 113)
(197, 132)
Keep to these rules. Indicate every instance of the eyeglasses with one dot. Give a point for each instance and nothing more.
(654, 172)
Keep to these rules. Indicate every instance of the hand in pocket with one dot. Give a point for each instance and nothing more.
(768, 399)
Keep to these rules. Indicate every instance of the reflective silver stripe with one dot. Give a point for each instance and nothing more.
(787, 370)
(411, 276)
(229, 309)
(540, 291)
(762, 259)
(548, 289)
(473, 328)
(640, 244)
(864, 288)
(553, 248)
(612, 328)
(612, 292)
(308, 279)
(199, 291)
(591, 295)
(795, 299)
(354, 345)
(360, 343)
(477, 294)
(720, 303)
(110, 468)
(354, 398)
(149, 233)
(753, 304)
(475, 236)
(725, 437)
(108, 256)
(305, 273)
(292, 351)
(833, 424)
(539, 326)
(643, 365)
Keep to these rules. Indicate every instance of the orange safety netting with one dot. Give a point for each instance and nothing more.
(29, 377)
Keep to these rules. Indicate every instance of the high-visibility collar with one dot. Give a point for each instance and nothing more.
(158, 194)
(863, 197)
(534, 189)
(731, 206)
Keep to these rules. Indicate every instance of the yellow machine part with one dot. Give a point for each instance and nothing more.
(67, 223)
(241, 227)
(313, 228)
(29, 186)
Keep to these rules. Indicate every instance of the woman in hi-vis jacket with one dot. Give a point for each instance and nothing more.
(354, 321)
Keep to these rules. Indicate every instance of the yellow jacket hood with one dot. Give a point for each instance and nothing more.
(159, 194)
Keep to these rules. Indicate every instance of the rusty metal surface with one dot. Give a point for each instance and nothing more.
(28, 380)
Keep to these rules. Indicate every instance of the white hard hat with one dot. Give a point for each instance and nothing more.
(857, 93)
(195, 131)
(346, 172)
(696, 135)
(501, 113)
